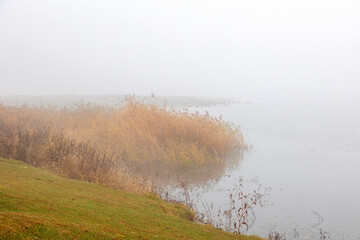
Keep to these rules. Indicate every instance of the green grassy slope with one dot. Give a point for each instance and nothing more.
(39, 204)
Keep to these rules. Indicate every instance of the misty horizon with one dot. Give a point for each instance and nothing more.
(198, 48)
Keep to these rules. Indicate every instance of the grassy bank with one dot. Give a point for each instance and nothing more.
(39, 204)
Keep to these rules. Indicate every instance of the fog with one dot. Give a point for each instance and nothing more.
(203, 48)
(286, 72)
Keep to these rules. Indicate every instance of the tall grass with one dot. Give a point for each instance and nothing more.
(119, 146)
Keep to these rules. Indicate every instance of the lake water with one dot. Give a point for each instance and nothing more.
(308, 152)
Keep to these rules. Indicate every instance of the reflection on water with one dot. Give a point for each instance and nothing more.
(309, 154)
(168, 178)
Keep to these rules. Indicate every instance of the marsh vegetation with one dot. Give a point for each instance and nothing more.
(130, 146)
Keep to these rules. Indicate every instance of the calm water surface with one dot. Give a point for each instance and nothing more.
(309, 154)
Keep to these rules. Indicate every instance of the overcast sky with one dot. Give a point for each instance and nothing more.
(196, 47)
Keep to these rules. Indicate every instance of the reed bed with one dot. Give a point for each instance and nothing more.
(127, 146)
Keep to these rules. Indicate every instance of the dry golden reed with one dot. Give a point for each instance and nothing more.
(120, 146)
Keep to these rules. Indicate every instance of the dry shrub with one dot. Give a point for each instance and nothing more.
(119, 146)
